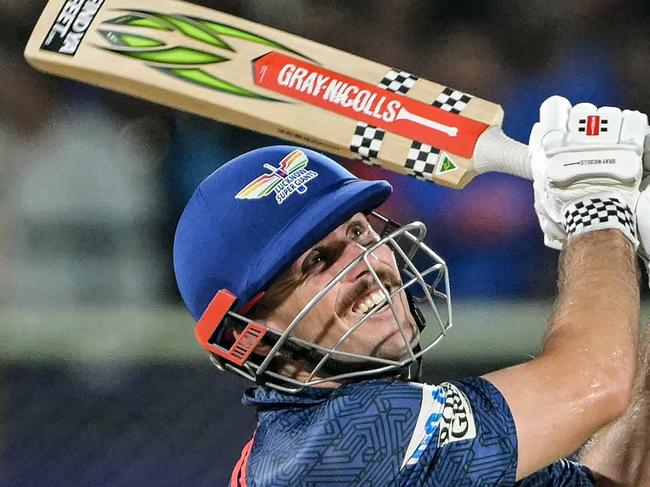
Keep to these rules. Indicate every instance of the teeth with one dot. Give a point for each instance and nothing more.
(369, 302)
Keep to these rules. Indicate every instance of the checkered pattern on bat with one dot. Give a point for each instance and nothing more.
(421, 160)
(453, 101)
(367, 139)
(398, 81)
(366, 142)
(599, 213)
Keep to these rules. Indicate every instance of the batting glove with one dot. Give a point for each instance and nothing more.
(587, 167)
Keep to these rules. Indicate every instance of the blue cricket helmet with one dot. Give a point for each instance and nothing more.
(253, 217)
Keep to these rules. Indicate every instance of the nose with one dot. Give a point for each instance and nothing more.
(352, 251)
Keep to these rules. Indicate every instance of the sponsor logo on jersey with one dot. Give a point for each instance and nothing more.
(427, 425)
(457, 421)
(445, 416)
(291, 176)
(71, 24)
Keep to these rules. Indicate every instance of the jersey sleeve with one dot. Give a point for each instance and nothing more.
(464, 435)
(396, 433)
(561, 473)
(386, 433)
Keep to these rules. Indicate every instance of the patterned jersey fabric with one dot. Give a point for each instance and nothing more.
(562, 473)
(388, 433)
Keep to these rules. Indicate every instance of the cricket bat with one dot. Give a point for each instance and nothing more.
(239, 72)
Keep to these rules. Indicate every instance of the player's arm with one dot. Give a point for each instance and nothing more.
(581, 380)
(583, 377)
(621, 451)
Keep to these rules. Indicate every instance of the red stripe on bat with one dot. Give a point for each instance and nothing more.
(364, 102)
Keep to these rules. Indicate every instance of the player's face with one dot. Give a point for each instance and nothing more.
(351, 298)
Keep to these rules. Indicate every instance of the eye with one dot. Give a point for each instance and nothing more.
(313, 259)
(356, 231)
(362, 233)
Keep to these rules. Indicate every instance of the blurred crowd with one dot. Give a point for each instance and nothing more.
(92, 183)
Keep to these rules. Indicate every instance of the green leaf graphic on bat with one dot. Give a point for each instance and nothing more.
(179, 58)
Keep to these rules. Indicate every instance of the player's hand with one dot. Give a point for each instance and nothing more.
(587, 167)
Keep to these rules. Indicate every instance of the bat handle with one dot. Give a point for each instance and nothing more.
(497, 152)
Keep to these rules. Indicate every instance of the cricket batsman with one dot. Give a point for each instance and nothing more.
(298, 285)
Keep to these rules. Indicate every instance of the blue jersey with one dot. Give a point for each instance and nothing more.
(389, 433)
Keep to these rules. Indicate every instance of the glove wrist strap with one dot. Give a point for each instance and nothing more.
(598, 213)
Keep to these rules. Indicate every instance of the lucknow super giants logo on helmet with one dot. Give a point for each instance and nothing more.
(291, 176)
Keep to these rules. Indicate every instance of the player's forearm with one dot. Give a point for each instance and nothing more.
(621, 451)
(593, 331)
(582, 379)
(638, 450)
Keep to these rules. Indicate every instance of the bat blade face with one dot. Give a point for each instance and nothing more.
(239, 72)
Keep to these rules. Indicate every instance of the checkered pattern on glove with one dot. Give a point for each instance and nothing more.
(598, 213)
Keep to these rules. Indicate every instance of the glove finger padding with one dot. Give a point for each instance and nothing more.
(554, 116)
(589, 125)
(634, 129)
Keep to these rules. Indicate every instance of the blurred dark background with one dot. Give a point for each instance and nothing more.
(100, 381)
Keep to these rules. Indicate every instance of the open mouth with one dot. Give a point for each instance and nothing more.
(373, 300)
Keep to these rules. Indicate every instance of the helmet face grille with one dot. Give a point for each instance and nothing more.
(423, 276)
